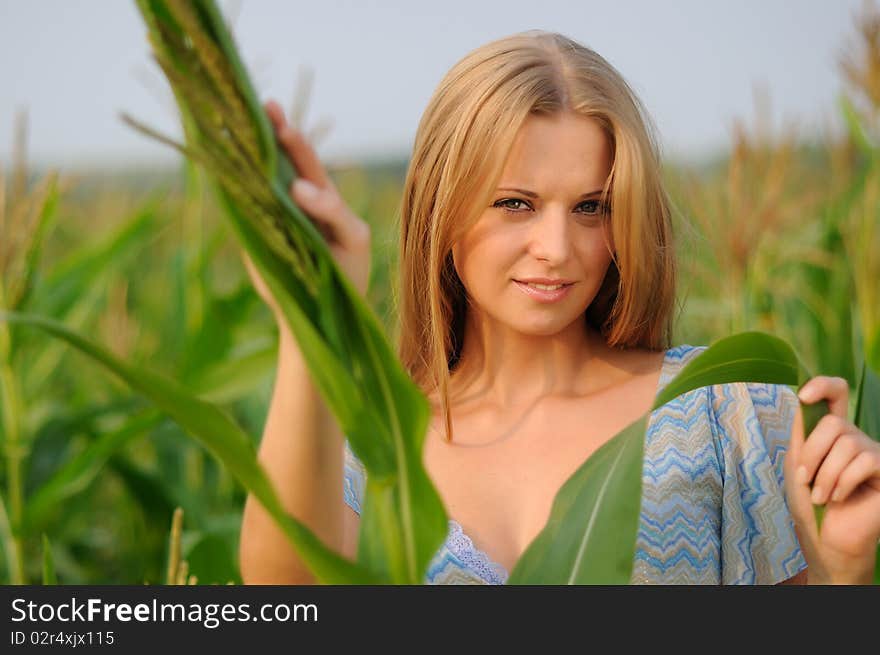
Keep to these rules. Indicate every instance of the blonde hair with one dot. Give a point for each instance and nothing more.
(461, 145)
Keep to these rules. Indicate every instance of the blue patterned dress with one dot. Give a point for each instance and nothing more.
(713, 505)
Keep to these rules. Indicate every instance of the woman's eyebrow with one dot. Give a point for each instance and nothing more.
(532, 194)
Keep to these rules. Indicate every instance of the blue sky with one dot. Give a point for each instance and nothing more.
(75, 64)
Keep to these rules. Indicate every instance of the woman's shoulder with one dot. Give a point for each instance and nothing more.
(680, 355)
(748, 419)
(675, 359)
(747, 409)
(764, 395)
(731, 439)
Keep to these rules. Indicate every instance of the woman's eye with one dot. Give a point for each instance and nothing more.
(594, 207)
(510, 204)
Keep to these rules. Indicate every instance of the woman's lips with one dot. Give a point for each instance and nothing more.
(544, 295)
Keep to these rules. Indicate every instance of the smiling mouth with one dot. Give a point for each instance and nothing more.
(544, 293)
(545, 287)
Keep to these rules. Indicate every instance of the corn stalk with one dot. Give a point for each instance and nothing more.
(382, 412)
(25, 218)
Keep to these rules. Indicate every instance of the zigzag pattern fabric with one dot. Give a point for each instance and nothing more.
(713, 504)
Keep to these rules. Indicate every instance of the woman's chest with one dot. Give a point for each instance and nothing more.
(680, 525)
(500, 475)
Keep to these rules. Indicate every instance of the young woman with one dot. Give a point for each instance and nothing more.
(535, 301)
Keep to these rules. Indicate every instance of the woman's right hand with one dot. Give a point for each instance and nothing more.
(348, 235)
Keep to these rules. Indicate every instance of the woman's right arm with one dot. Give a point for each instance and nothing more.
(302, 447)
(302, 452)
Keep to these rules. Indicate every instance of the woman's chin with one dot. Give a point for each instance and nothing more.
(546, 328)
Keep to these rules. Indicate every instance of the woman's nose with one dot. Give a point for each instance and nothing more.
(550, 239)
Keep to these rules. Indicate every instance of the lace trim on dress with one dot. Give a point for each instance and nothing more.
(478, 561)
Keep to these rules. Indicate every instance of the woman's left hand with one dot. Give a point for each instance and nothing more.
(842, 464)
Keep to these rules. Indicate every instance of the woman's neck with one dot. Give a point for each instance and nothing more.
(507, 369)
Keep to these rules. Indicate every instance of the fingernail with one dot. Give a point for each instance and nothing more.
(801, 475)
(836, 495)
(816, 497)
(304, 188)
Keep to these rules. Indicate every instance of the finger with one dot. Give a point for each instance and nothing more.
(797, 488)
(275, 113)
(297, 147)
(303, 156)
(845, 449)
(862, 468)
(797, 493)
(819, 442)
(833, 389)
(326, 207)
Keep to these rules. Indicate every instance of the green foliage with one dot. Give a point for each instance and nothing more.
(216, 431)
(378, 406)
(145, 269)
(867, 415)
(49, 576)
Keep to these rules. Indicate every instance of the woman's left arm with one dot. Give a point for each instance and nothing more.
(842, 464)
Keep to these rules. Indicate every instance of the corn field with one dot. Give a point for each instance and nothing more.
(781, 234)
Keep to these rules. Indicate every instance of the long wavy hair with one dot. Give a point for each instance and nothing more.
(461, 145)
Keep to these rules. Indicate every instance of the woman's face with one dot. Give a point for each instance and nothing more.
(545, 220)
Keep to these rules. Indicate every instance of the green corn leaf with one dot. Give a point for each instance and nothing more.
(867, 416)
(379, 408)
(749, 357)
(855, 128)
(739, 358)
(212, 560)
(79, 472)
(72, 289)
(591, 533)
(746, 357)
(67, 281)
(231, 379)
(217, 432)
(213, 336)
(37, 375)
(49, 577)
(7, 538)
(44, 222)
(867, 419)
(152, 494)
